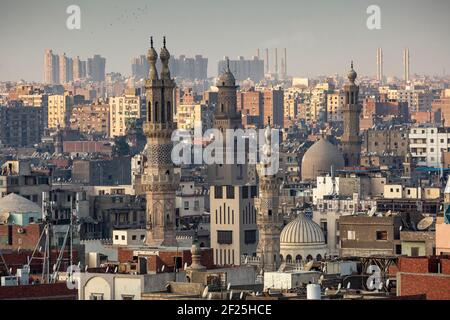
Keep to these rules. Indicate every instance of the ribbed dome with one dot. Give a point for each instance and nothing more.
(319, 158)
(302, 231)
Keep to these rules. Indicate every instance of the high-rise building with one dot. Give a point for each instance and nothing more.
(96, 68)
(244, 69)
(78, 69)
(91, 118)
(190, 68)
(406, 65)
(380, 65)
(65, 69)
(51, 68)
(233, 214)
(159, 180)
(139, 67)
(350, 141)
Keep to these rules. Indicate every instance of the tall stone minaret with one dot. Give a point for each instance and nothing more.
(268, 219)
(350, 142)
(159, 181)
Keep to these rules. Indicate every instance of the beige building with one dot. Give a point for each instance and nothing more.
(59, 110)
(123, 110)
(335, 101)
(91, 118)
(188, 115)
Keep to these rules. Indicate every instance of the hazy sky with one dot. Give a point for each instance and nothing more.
(321, 36)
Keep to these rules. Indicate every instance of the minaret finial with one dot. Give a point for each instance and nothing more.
(164, 41)
(228, 64)
(352, 64)
(151, 41)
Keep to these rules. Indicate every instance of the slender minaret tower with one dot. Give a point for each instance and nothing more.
(268, 219)
(350, 142)
(380, 65)
(406, 65)
(159, 181)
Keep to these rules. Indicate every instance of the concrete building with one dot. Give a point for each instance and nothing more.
(51, 68)
(393, 141)
(335, 103)
(96, 68)
(91, 118)
(427, 145)
(366, 236)
(19, 126)
(123, 111)
(59, 110)
(273, 107)
(244, 69)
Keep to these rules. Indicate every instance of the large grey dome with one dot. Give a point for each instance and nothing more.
(302, 231)
(319, 158)
(14, 203)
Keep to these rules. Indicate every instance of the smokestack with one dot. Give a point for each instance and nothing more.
(257, 53)
(267, 60)
(276, 62)
(285, 62)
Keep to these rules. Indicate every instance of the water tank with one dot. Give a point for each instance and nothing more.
(313, 292)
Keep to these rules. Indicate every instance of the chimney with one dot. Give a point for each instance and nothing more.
(267, 61)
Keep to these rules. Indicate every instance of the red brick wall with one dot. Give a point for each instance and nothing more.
(445, 266)
(43, 291)
(124, 255)
(413, 265)
(435, 286)
(26, 240)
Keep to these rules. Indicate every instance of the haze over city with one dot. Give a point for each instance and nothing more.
(321, 36)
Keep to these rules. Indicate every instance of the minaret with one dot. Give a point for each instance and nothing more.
(268, 219)
(350, 141)
(159, 181)
(226, 117)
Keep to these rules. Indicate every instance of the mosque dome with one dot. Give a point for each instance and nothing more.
(319, 158)
(302, 231)
(227, 79)
(352, 74)
(302, 239)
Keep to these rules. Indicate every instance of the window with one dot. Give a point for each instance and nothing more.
(218, 192)
(123, 237)
(133, 237)
(230, 192)
(186, 205)
(116, 237)
(381, 235)
(250, 236)
(414, 251)
(142, 237)
(245, 192)
(224, 237)
(351, 235)
(253, 192)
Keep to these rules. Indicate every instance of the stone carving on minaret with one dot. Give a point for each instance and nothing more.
(159, 181)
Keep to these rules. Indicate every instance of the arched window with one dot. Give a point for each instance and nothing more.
(156, 119)
(281, 257)
(319, 257)
(221, 107)
(309, 257)
(149, 111)
(288, 258)
(298, 258)
(163, 114)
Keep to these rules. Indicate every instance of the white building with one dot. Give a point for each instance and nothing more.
(123, 110)
(427, 145)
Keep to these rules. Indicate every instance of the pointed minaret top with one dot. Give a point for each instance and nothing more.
(164, 41)
(151, 42)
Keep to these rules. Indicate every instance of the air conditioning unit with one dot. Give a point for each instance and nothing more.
(20, 231)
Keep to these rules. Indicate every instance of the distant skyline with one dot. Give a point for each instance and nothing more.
(321, 37)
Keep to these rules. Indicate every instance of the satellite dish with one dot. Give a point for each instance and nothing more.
(309, 265)
(389, 213)
(348, 285)
(425, 223)
(185, 265)
(162, 269)
(387, 283)
(228, 286)
(339, 286)
(242, 295)
(380, 286)
(231, 295)
(107, 269)
(400, 228)
(115, 270)
(86, 269)
(205, 292)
